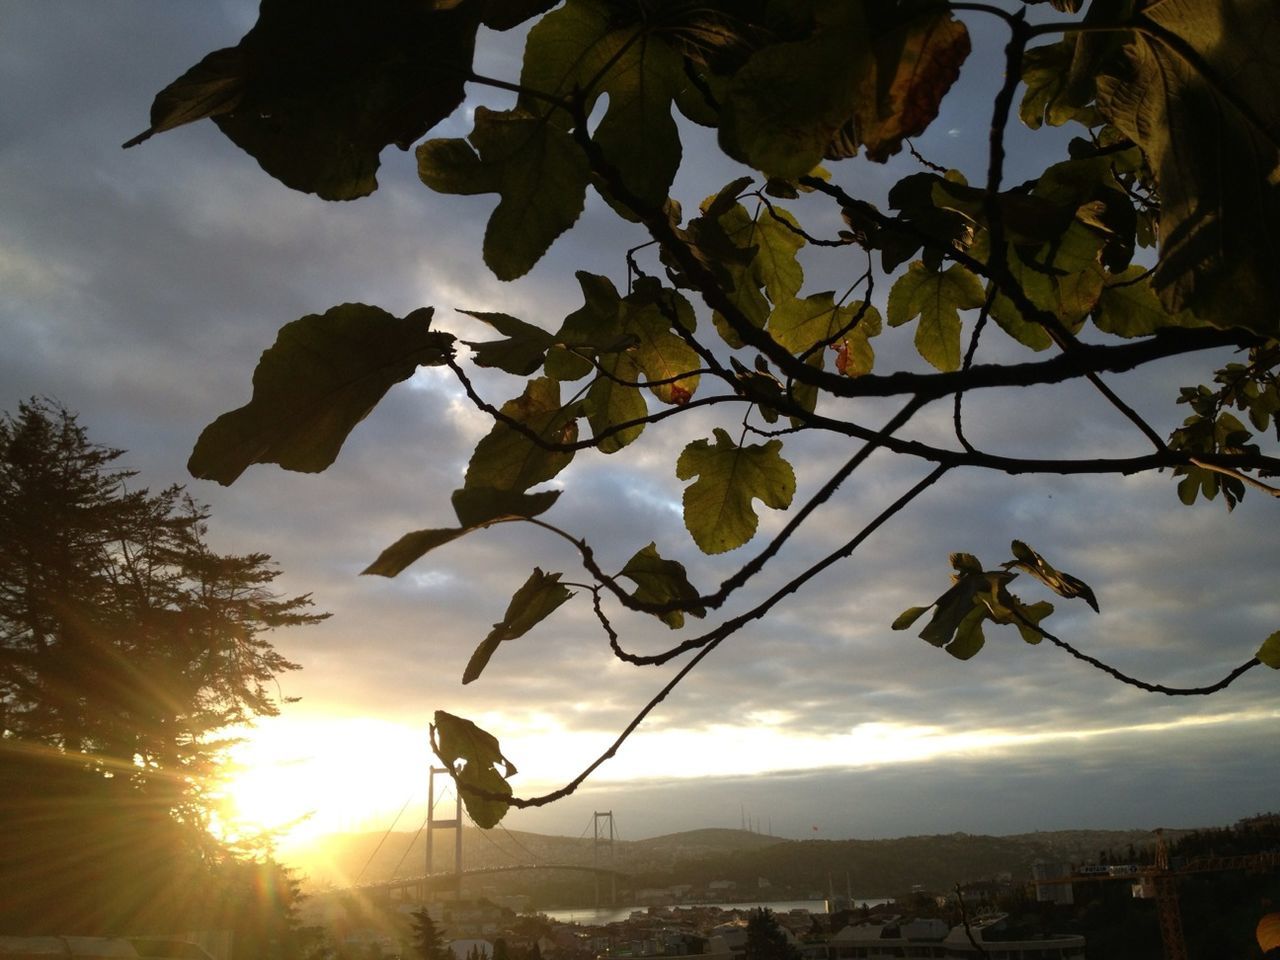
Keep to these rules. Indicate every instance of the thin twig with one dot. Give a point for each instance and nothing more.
(950, 458)
(842, 552)
(1133, 681)
(559, 446)
(983, 314)
(935, 167)
(795, 228)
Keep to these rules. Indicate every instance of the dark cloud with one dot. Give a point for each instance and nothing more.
(1108, 782)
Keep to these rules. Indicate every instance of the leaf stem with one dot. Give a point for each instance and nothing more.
(1133, 681)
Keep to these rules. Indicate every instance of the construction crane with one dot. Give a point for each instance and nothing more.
(1159, 882)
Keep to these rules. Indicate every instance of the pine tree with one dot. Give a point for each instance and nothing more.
(766, 940)
(427, 938)
(127, 647)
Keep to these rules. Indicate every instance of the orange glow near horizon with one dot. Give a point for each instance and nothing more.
(308, 778)
(302, 779)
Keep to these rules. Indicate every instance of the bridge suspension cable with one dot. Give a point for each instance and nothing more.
(360, 875)
(486, 834)
(409, 849)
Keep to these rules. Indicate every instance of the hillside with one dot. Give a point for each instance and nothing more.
(879, 867)
(870, 868)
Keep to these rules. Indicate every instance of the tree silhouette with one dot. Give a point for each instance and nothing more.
(766, 940)
(428, 941)
(1151, 237)
(127, 647)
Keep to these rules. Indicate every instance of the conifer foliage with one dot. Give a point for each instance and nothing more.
(127, 648)
(428, 939)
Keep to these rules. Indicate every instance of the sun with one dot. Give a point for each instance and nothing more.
(300, 779)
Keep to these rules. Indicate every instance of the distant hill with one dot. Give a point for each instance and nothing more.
(873, 868)
(695, 844)
(870, 868)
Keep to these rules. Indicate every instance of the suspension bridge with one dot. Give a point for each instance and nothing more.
(431, 884)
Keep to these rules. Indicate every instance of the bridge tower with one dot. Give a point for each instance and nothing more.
(434, 824)
(603, 841)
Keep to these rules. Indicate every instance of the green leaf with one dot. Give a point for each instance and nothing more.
(507, 459)
(213, 86)
(314, 92)
(321, 377)
(458, 739)
(804, 395)
(1128, 307)
(453, 166)
(588, 48)
(1269, 652)
(485, 811)
(536, 599)
(1191, 484)
(800, 324)
(974, 596)
(718, 508)
(1053, 95)
(765, 245)
(775, 266)
(787, 102)
(720, 204)
(730, 259)
(535, 166)
(936, 298)
(478, 506)
(592, 329)
(968, 636)
(1011, 321)
(521, 353)
(473, 757)
(907, 617)
(915, 196)
(610, 403)
(760, 387)
(951, 609)
(637, 134)
(631, 339)
(662, 581)
(1035, 612)
(1029, 219)
(411, 547)
(752, 254)
(1064, 278)
(1202, 107)
(658, 351)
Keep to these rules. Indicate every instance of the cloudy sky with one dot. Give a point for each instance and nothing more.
(139, 287)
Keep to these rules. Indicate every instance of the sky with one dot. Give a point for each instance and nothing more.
(139, 287)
